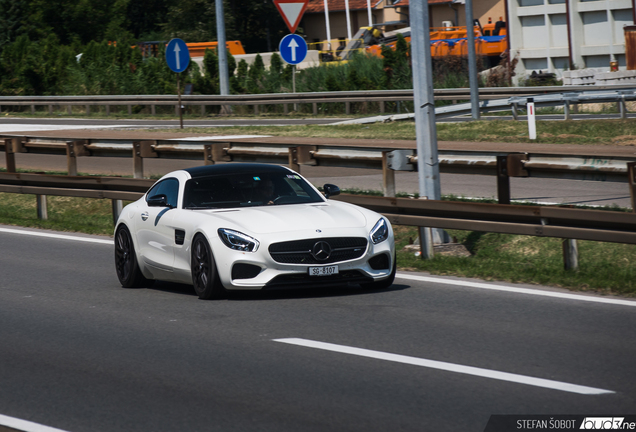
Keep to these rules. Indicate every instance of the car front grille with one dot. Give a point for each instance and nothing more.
(318, 251)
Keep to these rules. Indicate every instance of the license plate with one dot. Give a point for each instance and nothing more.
(323, 271)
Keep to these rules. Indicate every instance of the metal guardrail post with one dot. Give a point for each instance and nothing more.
(503, 180)
(426, 242)
(118, 207)
(301, 155)
(566, 111)
(141, 150)
(570, 254)
(622, 107)
(388, 175)
(293, 159)
(73, 150)
(9, 154)
(42, 202)
(631, 172)
(207, 155)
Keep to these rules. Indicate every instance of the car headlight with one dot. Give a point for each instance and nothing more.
(238, 241)
(380, 231)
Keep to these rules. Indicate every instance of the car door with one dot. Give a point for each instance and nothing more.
(155, 232)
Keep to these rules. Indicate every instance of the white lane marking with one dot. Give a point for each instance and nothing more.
(26, 426)
(450, 367)
(516, 290)
(217, 137)
(19, 127)
(56, 236)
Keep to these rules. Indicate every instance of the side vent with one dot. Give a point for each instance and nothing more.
(179, 236)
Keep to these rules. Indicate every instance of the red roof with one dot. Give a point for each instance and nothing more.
(401, 3)
(318, 6)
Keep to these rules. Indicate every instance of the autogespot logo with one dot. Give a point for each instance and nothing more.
(607, 423)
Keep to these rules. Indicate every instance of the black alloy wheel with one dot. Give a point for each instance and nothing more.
(128, 271)
(205, 277)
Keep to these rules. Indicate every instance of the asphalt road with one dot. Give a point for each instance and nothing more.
(80, 353)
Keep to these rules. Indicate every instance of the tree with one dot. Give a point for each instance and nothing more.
(11, 20)
(257, 24)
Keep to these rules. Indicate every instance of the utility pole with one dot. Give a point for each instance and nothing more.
(424, 110)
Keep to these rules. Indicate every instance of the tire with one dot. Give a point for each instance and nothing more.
(385, 283)
(205, 277)
(126, 266)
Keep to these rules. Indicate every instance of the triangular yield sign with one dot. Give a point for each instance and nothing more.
(291, 11)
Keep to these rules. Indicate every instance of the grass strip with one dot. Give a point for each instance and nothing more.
(588, 132)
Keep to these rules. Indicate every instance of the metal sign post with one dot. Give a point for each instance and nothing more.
(224, 78)
(293, 50)
(178, 59)
(472, 60)
(179, 101)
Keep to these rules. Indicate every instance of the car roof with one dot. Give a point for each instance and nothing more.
(234, 168)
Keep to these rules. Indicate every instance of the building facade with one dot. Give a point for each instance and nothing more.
(559, 35)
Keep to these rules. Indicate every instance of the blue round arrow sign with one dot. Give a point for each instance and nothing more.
(177, 55)
(293, 49)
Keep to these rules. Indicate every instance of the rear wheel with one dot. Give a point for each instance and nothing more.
(205, 277)
(128, 271)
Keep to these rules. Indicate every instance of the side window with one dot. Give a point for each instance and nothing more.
(169, 188)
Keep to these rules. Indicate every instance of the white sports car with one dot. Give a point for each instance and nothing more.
(250, 226)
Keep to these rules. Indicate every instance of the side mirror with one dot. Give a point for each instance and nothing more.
(158, 201)
(331, 190)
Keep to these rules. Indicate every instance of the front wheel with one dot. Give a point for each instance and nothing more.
(205, 277)
(128, 271)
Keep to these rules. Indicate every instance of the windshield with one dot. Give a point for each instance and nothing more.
(248, 189)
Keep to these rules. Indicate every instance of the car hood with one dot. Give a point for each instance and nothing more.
(284, 218)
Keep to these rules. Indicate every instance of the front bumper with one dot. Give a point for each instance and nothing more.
(255, 271)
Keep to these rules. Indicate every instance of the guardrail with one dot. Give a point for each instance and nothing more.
(569, 100)
(387, 155)
(530, 220)
(314, 98)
